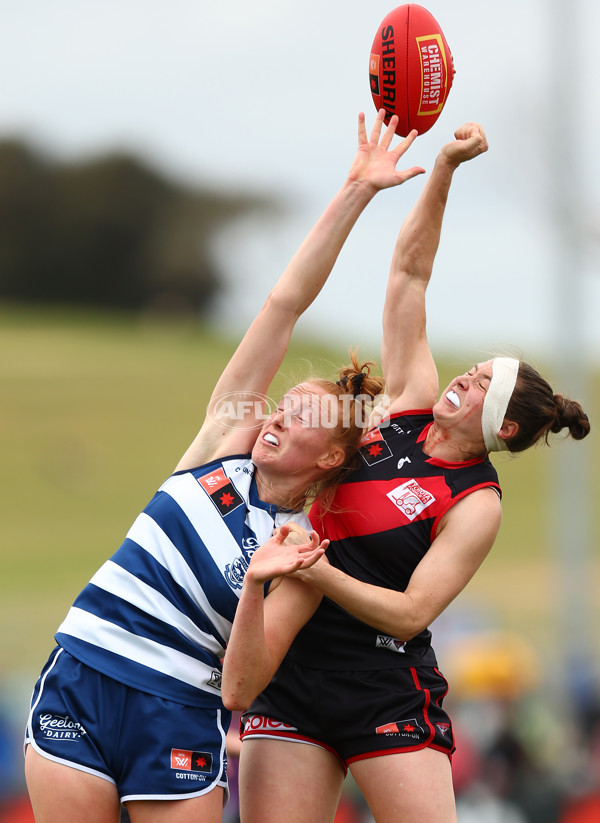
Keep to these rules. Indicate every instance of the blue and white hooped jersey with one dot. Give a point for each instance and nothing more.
(157, 616)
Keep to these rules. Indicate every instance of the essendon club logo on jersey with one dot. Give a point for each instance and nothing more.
(411, 498)
(374, 448)
(221, 490)
(185, 760)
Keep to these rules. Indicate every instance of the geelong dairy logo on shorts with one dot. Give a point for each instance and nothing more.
(185, 760)
(411, 498)
(405, 728)
(60, 727)
(384, 641)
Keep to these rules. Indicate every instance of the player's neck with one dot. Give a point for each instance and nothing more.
(443, 444)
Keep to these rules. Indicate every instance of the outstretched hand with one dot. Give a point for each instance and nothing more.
(375, 162)
(470, 141)
(290, 549)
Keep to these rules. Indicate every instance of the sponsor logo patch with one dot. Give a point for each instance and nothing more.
(411, 498)
(374, 73)
(221, 491)
(215, 680)
(259, 723)
(384, 641)
(186, 760)
(404, 728)
(374, 448)
(60, 727)
(434, 74)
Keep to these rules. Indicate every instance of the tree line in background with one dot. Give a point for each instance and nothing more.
(109, 232)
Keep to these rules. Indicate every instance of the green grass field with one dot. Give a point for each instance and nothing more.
(96, 411)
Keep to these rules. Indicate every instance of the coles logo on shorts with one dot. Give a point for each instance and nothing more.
(411, 498)
(185, 760)
(255, 723)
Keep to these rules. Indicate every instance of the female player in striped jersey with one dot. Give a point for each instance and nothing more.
(359, 688)
(128, 707)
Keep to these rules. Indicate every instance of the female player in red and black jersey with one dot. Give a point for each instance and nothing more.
(408, 530)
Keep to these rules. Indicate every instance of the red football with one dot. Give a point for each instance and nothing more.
(411, 68)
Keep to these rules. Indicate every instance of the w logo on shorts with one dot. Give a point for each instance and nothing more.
(405, 728)
(186, 760)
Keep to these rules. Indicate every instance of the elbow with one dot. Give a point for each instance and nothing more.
(409, 628)
(238, 696)
(406, 635)
(282, 302)
(235, 700)
(413, 618)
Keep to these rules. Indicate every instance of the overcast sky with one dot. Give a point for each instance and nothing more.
(265, 94)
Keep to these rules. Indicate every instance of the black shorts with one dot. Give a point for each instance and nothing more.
(354, 714)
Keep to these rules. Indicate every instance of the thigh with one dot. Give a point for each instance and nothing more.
(205, 809)
(410, 787)
(294, 782)
(59, 793)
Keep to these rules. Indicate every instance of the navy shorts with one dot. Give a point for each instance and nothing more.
(354, 714)
(149, 747)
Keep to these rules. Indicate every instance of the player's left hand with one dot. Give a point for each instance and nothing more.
(289, 549)
(375, 161)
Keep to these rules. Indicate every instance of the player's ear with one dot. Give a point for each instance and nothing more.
(334, 458)
(508, 430)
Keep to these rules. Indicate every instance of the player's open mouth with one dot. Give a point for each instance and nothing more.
(453, 398)
(270, 438)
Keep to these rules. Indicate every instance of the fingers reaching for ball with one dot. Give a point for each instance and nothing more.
(375, 161)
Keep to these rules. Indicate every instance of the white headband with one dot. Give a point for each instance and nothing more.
(502, 384)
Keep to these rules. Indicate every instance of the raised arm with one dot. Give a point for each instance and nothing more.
(408, 367)
(259, 355)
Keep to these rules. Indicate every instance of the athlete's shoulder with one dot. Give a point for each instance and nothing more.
(233, 462)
